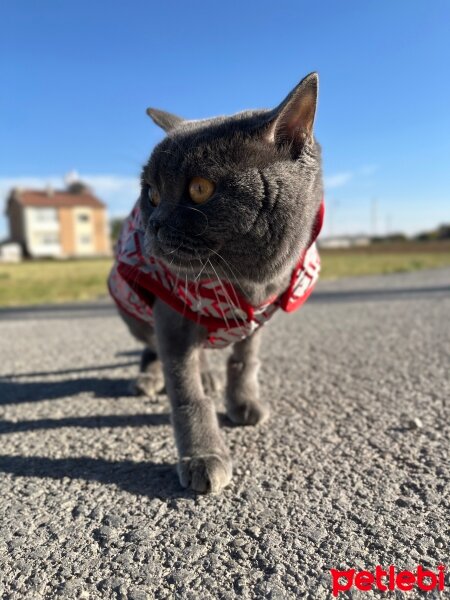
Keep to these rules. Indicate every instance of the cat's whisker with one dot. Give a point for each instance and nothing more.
(196, 286)
(177, 205)
(203, 215)
(228, 265)
(196, 210)
(171, 261)
(201, 270)
(218, 302)
(235, 279)
(168, 152)
(173, 251)
(225, 293)
(185, 287)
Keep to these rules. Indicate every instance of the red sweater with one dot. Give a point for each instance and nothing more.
(136, 279)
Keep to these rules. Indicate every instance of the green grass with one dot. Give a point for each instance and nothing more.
(39, 282)
(337, 264)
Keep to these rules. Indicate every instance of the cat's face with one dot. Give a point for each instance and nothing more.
(234, 196)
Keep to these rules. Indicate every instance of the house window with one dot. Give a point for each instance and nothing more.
(46, 215)
(83, 218)
(50, 238)
(85, 239)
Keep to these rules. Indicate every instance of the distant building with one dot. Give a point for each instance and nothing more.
(60, 224)
(345, 241)
(10, 251)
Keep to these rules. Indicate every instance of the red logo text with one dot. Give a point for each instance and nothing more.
(389, 579)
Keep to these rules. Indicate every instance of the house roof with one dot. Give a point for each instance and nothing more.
(57, 199)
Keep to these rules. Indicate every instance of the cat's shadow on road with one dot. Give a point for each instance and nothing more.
(13, 390)
(17, 392)
(144, 478)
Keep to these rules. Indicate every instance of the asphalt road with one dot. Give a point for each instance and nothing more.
(352, 469)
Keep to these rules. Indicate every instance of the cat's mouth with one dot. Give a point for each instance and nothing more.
(197, 261)
(182, 255)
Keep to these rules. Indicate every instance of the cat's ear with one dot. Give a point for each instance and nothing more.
(293, 119)
(165, 120)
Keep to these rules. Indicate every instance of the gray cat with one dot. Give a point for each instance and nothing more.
(230, 207)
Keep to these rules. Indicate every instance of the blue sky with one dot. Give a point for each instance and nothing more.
(77, 77)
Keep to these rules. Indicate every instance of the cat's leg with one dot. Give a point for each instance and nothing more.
(150, 380)
(211, 382)
(204, 461)
(244, 406)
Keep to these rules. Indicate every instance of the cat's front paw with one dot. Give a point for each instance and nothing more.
(207, 473)
(250, 412)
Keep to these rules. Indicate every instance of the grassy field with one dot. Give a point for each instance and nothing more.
(385, 258)
(38, 282)
(349, 263)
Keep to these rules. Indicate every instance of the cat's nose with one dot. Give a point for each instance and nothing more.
(155, 225)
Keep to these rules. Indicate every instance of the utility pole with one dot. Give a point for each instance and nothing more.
(374, 216)
(388, 224)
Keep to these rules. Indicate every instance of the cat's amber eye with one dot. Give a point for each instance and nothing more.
(201, 189)
(153, 196)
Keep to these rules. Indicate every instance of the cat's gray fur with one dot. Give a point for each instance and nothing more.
(266, 166)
